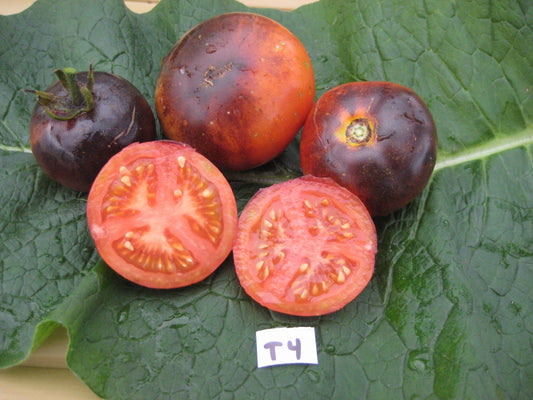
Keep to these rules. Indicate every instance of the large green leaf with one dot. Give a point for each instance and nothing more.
(449, 313)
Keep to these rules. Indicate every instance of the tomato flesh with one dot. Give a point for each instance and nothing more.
(305, 247)
(162, 215)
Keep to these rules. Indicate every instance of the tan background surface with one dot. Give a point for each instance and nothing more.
(45, 376)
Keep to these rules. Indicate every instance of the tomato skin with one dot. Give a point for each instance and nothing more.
(237, 88)
(72, 152)
(305, 247)
(162, 215)
(391, 166)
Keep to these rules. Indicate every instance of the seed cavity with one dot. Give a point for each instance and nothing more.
(167, 257)
(279, 257)
(325, 268)
(314, 230)
(137, 181)
(317, 277)
(194, 191)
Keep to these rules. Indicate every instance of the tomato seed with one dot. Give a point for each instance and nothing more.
(304, 294)
(279, 257)
(208, 193)
(304, 267)
(126, 180)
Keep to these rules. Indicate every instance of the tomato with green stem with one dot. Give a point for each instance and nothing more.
(82, 120)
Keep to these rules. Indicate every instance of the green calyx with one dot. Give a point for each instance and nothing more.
(78, 100)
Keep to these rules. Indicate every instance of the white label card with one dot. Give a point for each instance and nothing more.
(286, 346)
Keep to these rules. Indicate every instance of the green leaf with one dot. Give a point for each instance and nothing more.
(449, 312)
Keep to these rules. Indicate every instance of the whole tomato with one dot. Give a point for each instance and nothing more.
(237, 88)
(82, 120)
(378, 139)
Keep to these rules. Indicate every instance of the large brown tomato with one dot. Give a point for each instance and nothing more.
(237, 88)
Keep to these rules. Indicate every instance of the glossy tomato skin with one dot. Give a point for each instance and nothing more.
(237, 88)
(72, 152)
(378, 139)
(305, 247)
(162, 215)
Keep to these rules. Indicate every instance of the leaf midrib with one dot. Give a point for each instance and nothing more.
(486, 149)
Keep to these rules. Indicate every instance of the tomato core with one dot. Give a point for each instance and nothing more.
(359, 131)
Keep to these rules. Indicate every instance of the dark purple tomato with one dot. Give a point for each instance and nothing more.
(378, 139)
(79, 123)
(237, 88)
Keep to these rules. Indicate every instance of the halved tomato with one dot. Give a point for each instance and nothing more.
(162, 215)
(305, 247)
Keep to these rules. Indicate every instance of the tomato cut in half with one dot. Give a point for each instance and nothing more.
(162, 215)
(305, 247)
